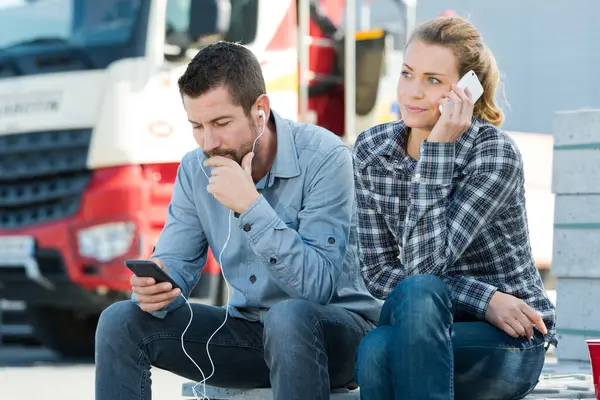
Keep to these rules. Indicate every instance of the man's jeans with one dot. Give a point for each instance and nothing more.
(302, 351)
(418, 352)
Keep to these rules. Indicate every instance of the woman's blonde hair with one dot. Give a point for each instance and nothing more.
(466, 43)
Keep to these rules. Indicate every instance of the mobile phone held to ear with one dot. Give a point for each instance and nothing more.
(148, 269)
(470, 81)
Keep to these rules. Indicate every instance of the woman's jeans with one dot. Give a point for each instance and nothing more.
(419, 352)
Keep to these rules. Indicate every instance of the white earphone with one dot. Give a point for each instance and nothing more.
(261, 114)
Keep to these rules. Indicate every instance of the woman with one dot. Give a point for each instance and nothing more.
(444, 238)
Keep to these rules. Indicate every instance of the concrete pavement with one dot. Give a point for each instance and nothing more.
(31, 373)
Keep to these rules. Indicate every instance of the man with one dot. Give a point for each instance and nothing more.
(299, 307)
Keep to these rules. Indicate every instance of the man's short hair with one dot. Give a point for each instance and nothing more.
(225, 64)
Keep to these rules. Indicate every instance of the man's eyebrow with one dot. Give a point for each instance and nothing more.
(426, 73)
(212, 120)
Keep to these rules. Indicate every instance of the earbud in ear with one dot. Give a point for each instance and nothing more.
(261, 113)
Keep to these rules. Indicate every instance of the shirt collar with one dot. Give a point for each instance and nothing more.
(286, 163)
(394, 145)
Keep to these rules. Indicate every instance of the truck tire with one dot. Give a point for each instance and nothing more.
(67, 332)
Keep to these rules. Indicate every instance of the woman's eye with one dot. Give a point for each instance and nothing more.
(405, 74)
(431, 79)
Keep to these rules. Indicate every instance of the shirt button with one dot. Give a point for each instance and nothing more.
(418, 178)
(273, 260)
(252, 278)
(331, 240)
(247, 228)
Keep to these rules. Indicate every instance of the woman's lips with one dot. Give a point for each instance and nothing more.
(413, 109)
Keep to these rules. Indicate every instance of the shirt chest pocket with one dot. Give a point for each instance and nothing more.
(388, 207)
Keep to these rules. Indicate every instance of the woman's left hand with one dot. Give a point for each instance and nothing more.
(455, 118)
(513, 316)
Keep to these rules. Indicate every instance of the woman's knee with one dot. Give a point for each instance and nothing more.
(372, 356)
(420, 286)
(423, 294)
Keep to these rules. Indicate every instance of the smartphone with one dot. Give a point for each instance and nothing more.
(470, 81)
(148, 269)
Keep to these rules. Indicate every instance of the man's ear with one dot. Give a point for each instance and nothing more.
(263, 103)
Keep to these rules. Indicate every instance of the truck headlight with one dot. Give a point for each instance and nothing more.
(107, 241)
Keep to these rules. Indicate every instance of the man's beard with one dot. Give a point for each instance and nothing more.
(239, 154)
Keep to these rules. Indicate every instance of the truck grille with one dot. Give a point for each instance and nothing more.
(42, 176)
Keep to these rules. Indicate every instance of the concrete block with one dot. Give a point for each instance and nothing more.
(577, 209)
(216, 393)
(576, 236)
(575, 127)
(576, 160)
(576, 253)
(576, 170)
(578, 304)
(572, 347)
(578, 319)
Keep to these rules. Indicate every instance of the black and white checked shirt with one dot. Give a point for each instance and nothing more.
(458, 213)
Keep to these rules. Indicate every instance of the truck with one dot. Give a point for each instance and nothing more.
(92, 130)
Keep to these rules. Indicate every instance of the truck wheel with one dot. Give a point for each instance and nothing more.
(67, 332)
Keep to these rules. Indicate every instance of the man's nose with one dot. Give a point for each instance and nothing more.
(211, 140)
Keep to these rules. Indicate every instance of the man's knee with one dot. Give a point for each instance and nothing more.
(113, 325)
(290, 317)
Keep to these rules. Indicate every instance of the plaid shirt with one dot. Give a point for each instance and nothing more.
(458, 213)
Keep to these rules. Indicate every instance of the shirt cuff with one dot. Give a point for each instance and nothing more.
(259, 217)
(471, 296)
(436, 163)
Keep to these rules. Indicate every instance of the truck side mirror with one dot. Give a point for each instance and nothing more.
(370, 66)
(209, 17)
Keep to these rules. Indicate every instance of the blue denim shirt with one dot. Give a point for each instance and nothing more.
(298, 240)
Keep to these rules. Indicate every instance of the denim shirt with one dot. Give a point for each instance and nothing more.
(298, 240)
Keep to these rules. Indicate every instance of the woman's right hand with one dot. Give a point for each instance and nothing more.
(152, 296)
(513, 316)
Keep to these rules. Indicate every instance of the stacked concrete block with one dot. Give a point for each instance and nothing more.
(576, 248)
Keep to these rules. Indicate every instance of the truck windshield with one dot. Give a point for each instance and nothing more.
(99, 31)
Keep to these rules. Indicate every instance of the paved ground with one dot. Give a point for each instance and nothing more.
(27, 373)
(32, 373)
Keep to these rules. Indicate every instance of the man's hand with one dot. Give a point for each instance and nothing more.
(152, 296)
(231, 184)
(513, 316)
(455, 118)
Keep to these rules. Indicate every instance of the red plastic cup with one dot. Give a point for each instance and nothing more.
(594, 348)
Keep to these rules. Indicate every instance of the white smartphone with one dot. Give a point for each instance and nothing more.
(470, 81)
